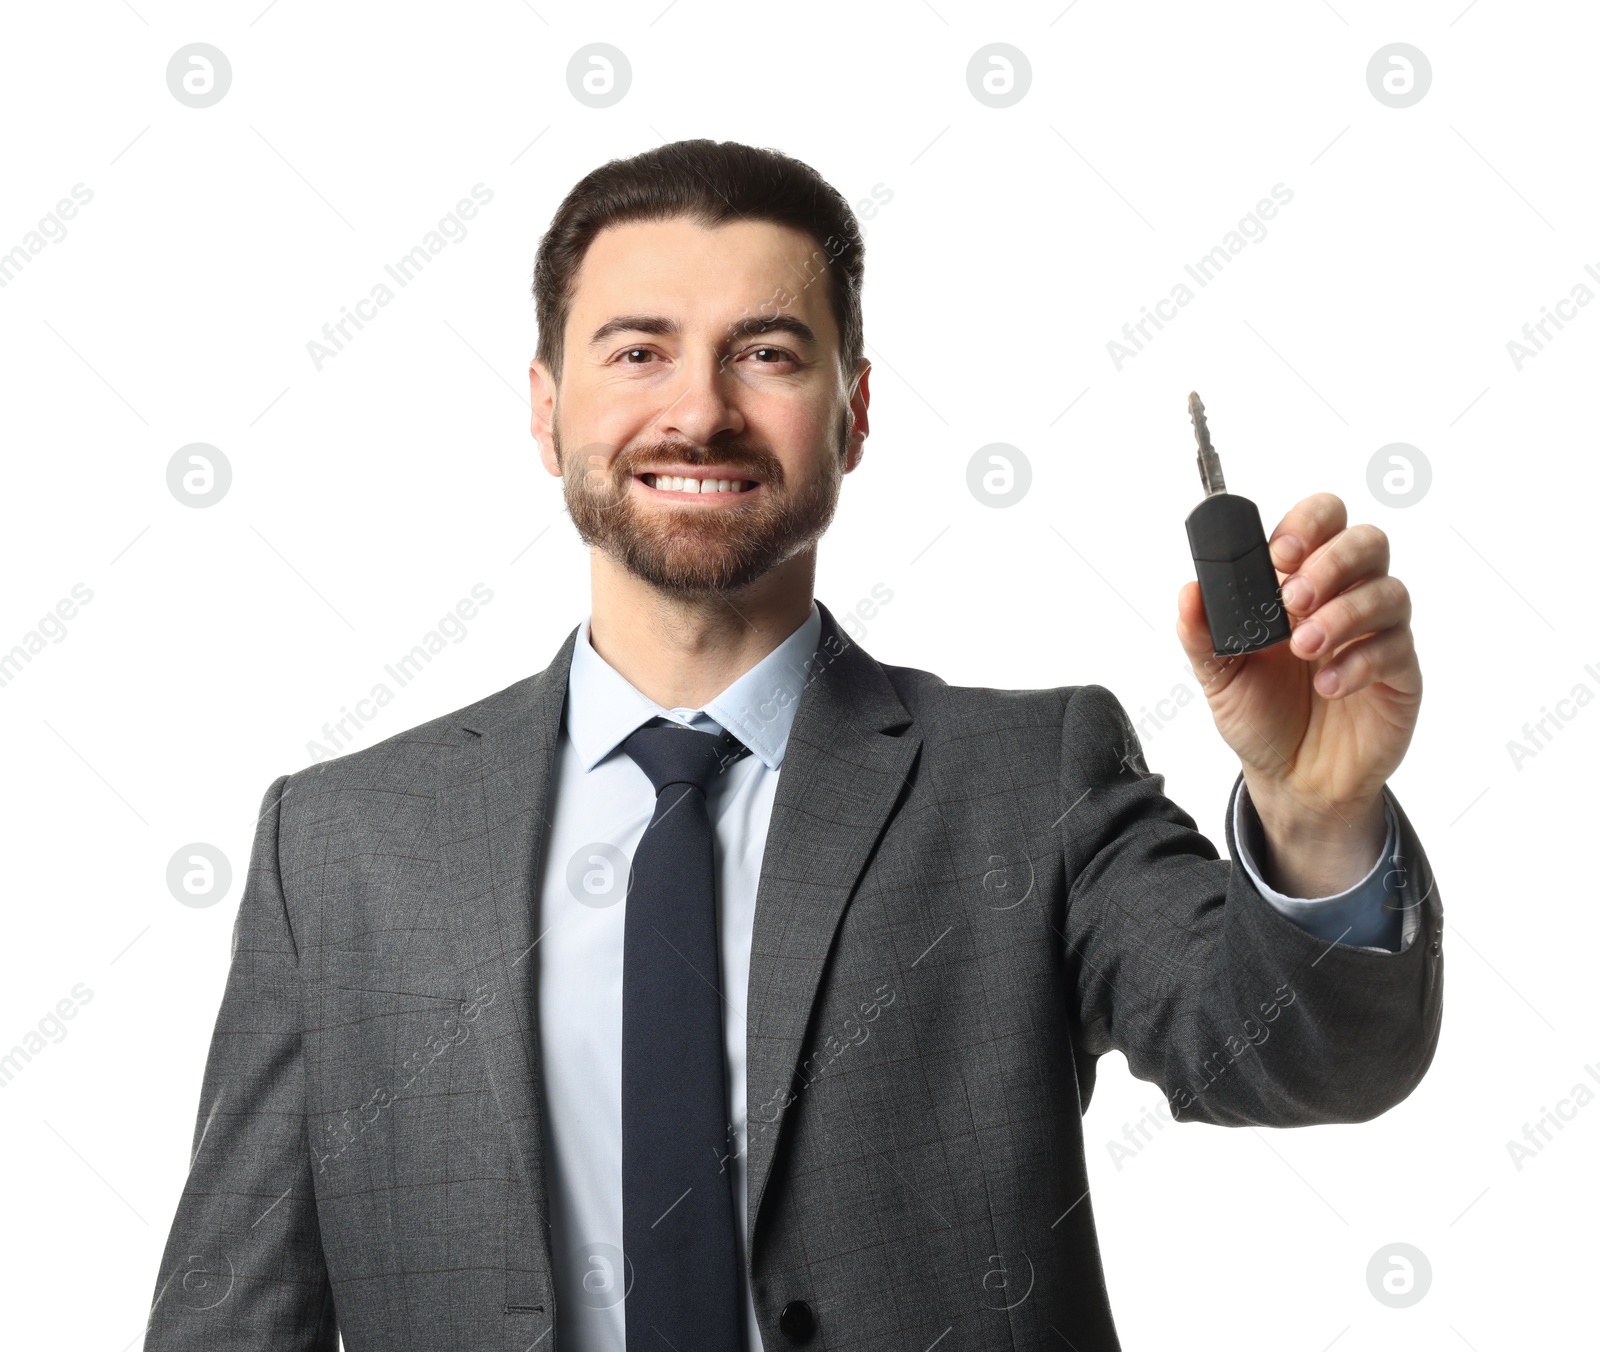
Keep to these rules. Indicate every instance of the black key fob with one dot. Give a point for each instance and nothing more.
(1238, 584)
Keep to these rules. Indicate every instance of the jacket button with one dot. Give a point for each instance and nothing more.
(797, 1323)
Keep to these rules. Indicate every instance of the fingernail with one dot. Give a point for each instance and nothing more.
(1286, 550)
(1308, 637)
(1297, 593)
(1326, 681)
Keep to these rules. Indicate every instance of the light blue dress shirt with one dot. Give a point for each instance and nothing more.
(601, 805)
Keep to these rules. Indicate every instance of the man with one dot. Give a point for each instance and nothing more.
(719, 987)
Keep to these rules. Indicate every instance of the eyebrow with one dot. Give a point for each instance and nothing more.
(747, 328)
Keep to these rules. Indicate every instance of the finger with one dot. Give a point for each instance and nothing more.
(1191, 628)
(1360, 552)
(1306, 526)
(1378, 603)
(1389, 657)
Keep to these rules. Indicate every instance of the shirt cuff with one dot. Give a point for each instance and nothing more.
(1373, 914)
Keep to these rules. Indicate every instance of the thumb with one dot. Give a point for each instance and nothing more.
(1194, 635)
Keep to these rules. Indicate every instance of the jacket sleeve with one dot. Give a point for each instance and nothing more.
(243, 1266)
(1241, 1016)
(1363, 915)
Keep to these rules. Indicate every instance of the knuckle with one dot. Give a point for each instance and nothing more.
(1337, 619)
(1356, 668)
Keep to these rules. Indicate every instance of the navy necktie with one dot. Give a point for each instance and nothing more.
(679, 1224)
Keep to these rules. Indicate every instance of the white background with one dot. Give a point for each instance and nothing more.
(369, 496)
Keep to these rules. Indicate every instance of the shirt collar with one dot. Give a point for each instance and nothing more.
(603, 707)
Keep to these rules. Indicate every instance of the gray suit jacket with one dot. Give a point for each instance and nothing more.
(967, 895)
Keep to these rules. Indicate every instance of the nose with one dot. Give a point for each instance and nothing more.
(700, 408)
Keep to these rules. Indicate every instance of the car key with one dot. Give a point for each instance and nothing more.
(1238, 583)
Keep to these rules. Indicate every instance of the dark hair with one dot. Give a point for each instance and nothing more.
(711, 182)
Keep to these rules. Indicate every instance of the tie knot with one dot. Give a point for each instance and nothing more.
(673, 754)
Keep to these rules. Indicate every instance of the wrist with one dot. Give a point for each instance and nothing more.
(1318, 850)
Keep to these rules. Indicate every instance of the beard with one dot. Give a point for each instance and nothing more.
(692, 552)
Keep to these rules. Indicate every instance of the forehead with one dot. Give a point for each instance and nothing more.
(683, 270)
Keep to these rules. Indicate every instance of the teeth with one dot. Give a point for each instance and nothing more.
(679, 483)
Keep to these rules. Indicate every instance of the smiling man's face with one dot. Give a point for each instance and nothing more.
(700, 354)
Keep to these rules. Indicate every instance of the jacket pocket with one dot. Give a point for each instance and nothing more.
(385, 974)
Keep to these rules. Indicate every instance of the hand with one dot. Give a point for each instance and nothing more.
(1319, 722)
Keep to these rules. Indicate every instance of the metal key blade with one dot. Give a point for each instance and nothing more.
(1208, 460)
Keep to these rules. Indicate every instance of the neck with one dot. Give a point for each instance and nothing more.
(682, 652)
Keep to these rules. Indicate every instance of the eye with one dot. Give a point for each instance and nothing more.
(777, 353)
(630, 352)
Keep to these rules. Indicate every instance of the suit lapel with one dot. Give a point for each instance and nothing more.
(494, 814)
(842, 774)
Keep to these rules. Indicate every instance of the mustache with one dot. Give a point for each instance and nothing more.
(756, 461)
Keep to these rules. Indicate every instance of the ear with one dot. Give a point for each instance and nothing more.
(860, 397)
(542, 397)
